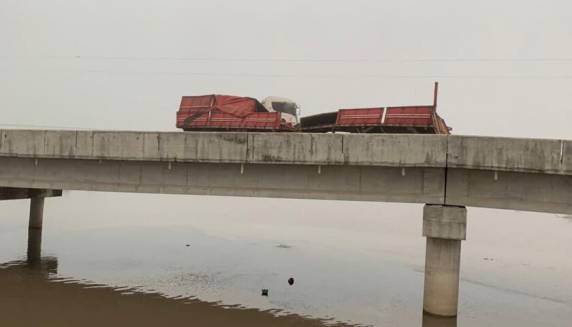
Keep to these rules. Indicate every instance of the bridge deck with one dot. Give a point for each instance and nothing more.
(521, 174)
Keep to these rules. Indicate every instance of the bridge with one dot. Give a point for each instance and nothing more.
(445, 172)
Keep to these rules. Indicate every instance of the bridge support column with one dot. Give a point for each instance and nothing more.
(34, 253)
(445, 227)
(36, 212)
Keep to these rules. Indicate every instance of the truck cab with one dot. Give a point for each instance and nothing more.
(289, 109)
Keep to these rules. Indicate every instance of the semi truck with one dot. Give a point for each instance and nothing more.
(276, 114)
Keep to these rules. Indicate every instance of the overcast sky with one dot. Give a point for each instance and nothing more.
(505, 67)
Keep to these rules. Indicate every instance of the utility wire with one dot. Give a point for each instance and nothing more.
(306, 60)
(317, 76)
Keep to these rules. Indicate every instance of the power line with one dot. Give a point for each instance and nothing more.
(316, 76)
(306, 60)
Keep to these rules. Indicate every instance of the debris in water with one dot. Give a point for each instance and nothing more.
(291, 281)
(187, 245)
(283, 246)
(264, 292)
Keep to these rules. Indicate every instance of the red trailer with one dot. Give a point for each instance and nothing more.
(225, 112)
(421, 119)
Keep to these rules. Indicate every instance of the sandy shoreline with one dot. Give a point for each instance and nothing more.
(28, 298)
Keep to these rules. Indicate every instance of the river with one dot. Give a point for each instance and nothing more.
(136, 259)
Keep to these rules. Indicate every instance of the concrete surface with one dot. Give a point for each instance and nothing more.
(10, 193)
(36, 212)
(445, 222)
(442, 273)
(445, 227)
(506, 154)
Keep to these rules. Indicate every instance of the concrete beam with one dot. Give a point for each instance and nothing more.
(15, 193)
(509, 190)
(283, 181)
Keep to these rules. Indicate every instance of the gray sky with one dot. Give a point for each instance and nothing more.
(505, 67)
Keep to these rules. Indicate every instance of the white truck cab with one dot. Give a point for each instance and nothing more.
(288, 108)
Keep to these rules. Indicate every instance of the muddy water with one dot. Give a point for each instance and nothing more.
(149, 259)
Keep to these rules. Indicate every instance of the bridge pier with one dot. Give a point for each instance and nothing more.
(445, 227)
(36, 212)
(34, 251)
(36, 197)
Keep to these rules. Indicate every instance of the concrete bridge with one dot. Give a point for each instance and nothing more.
(447, 173)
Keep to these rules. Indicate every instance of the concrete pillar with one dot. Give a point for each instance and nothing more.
(36, 212)
(34, 253)
(445, 227)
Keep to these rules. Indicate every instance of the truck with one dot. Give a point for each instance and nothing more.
(417, 119)
(276, 114)
(234, 113)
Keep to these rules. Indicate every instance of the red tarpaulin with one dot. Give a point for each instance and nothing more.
(232, 105)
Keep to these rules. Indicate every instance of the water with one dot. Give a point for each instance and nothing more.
(359, 264)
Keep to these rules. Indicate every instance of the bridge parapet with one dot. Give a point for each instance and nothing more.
(387, 150)
(256, 148)
(510, 154)
(567, 157)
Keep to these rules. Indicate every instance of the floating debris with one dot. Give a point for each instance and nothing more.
(291, 281)
(283, 246)
(264, 292)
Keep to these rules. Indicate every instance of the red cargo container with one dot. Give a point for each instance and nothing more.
(407, 119)
(223, 112)
(409, 116)
(360, 117)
